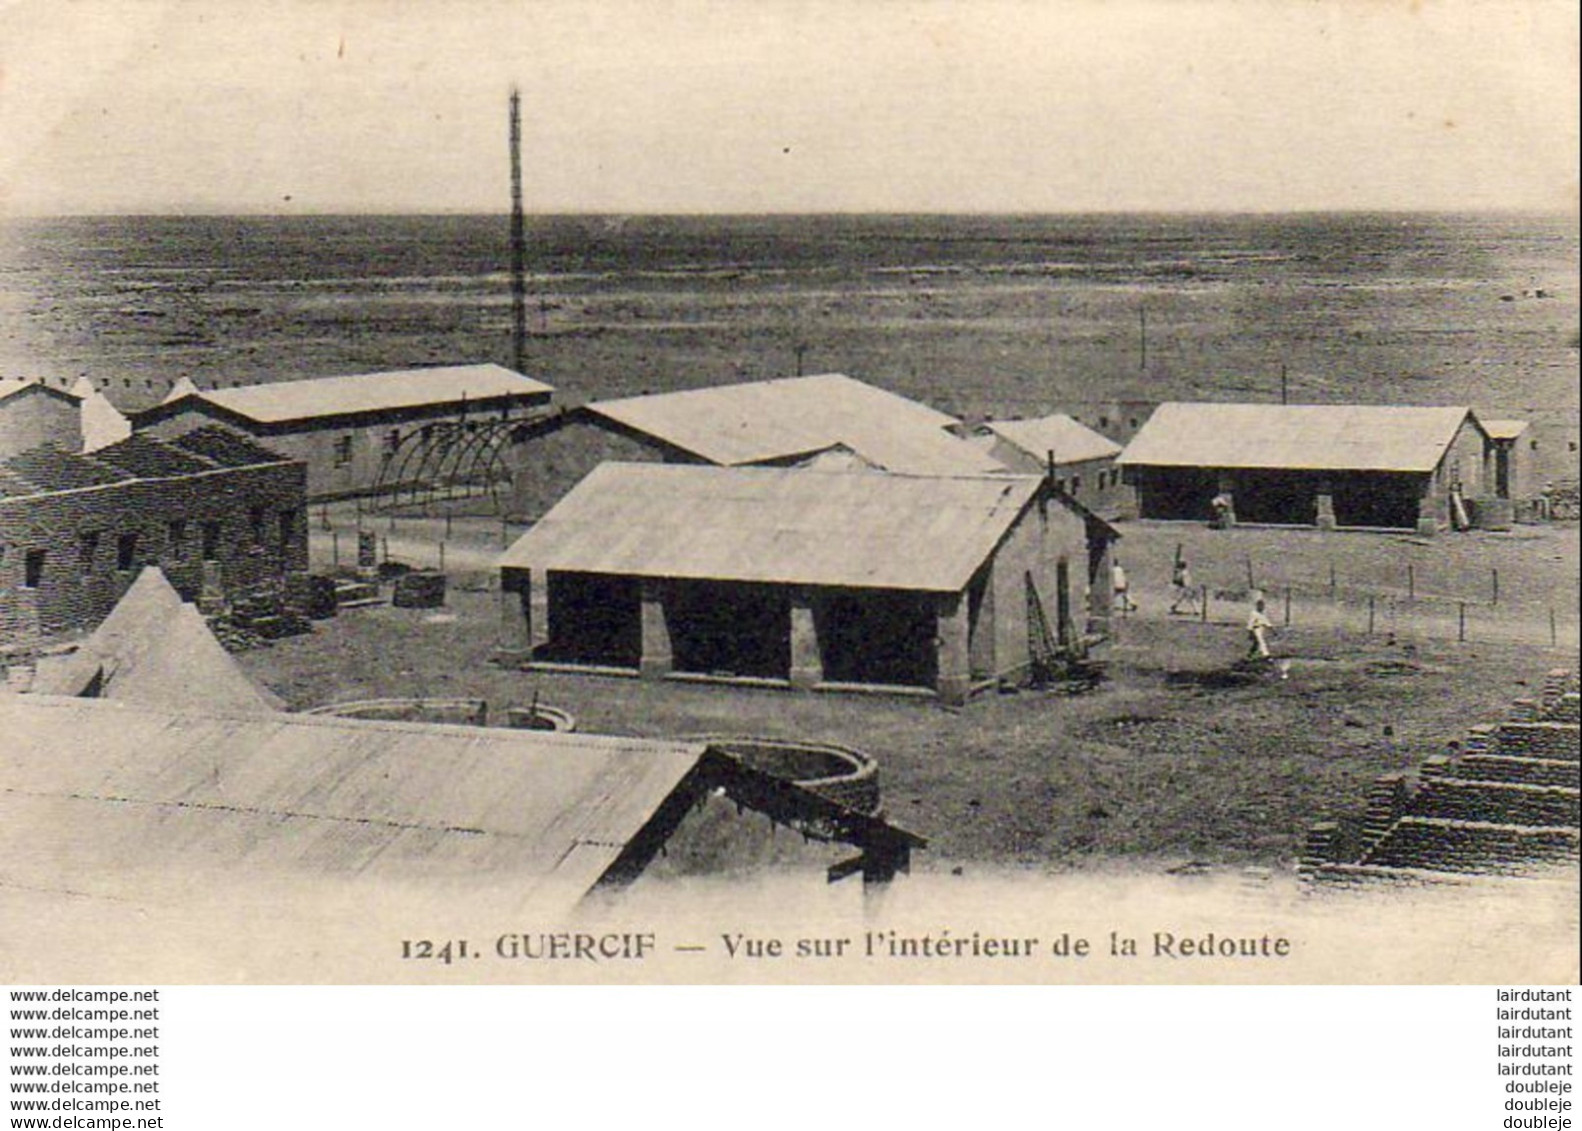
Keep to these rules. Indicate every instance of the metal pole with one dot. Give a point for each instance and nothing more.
(1204, 605)
(1461, 621)
(1250, 583)
(1494, 575)
(1554, 634)
(1411, 581)
(1370, 614)
(518, 241)
(1331, 581)
(442, 557)
(1287, 606)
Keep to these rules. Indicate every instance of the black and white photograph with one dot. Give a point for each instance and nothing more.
(925, 492)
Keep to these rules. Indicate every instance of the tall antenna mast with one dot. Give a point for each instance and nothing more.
(518, 241)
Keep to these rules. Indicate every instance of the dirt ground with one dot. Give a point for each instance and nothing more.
(1177, 759)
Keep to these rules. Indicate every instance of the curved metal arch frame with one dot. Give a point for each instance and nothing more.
(448, 456)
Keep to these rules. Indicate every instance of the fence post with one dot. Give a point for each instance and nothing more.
(1461, 621)
(442, 557)
(1287, 606)
(1332, 581)
(1203, 606)
(505, 536)
(1411, 582)
(335, 547)
(1554, 633)
(447, 523)
(1370, 614)
(1250, 583)
(1494, 576)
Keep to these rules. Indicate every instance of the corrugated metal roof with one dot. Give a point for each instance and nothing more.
(1311, 437)
(102, 782)
(761, 421)
(1070, 440)
(154, 649)
(280, 401)
(1504, 429)
(793, 526)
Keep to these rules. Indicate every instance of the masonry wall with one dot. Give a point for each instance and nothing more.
(261, 534)
(1095, 483)
(549, 463)
(1045, 534)
(33, 417)
(1463, 464)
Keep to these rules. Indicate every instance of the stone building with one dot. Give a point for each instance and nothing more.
(1380, 466)
(827, 420)
(362, 433)
(215, 512)
(1080, 459)
(807, 579)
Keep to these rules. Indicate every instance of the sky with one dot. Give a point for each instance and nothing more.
(635, 106)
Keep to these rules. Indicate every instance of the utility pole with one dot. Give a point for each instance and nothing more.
(518, 242)
(1142, 339)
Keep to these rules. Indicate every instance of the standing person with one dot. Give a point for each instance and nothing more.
(1258, 626)
(1123, 600)
(1181, 582)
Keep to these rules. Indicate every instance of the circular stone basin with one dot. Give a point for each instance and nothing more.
(845, 776)
(469, 712)
(540, 717)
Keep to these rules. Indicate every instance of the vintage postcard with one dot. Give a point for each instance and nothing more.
(926, 492)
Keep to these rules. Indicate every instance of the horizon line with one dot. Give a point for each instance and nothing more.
(331, 213)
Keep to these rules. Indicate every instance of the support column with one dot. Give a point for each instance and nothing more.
(1101, 595)
(954, 678)
(1427, 520)
(1226, 490)
(807, 653)
(657, 659)
(1324, 505)
(515, 640)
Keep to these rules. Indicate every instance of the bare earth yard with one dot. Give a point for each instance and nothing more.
(1176, 758)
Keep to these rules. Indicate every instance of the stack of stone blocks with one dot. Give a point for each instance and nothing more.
(1506, 803)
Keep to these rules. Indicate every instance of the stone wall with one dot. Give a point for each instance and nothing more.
(230, 529)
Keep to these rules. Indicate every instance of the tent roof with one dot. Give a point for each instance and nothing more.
(89, 786)
(279, 401)
(1308, 437)
(796, 526)
(155, 649)
(764, 421)
(1070, 440)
